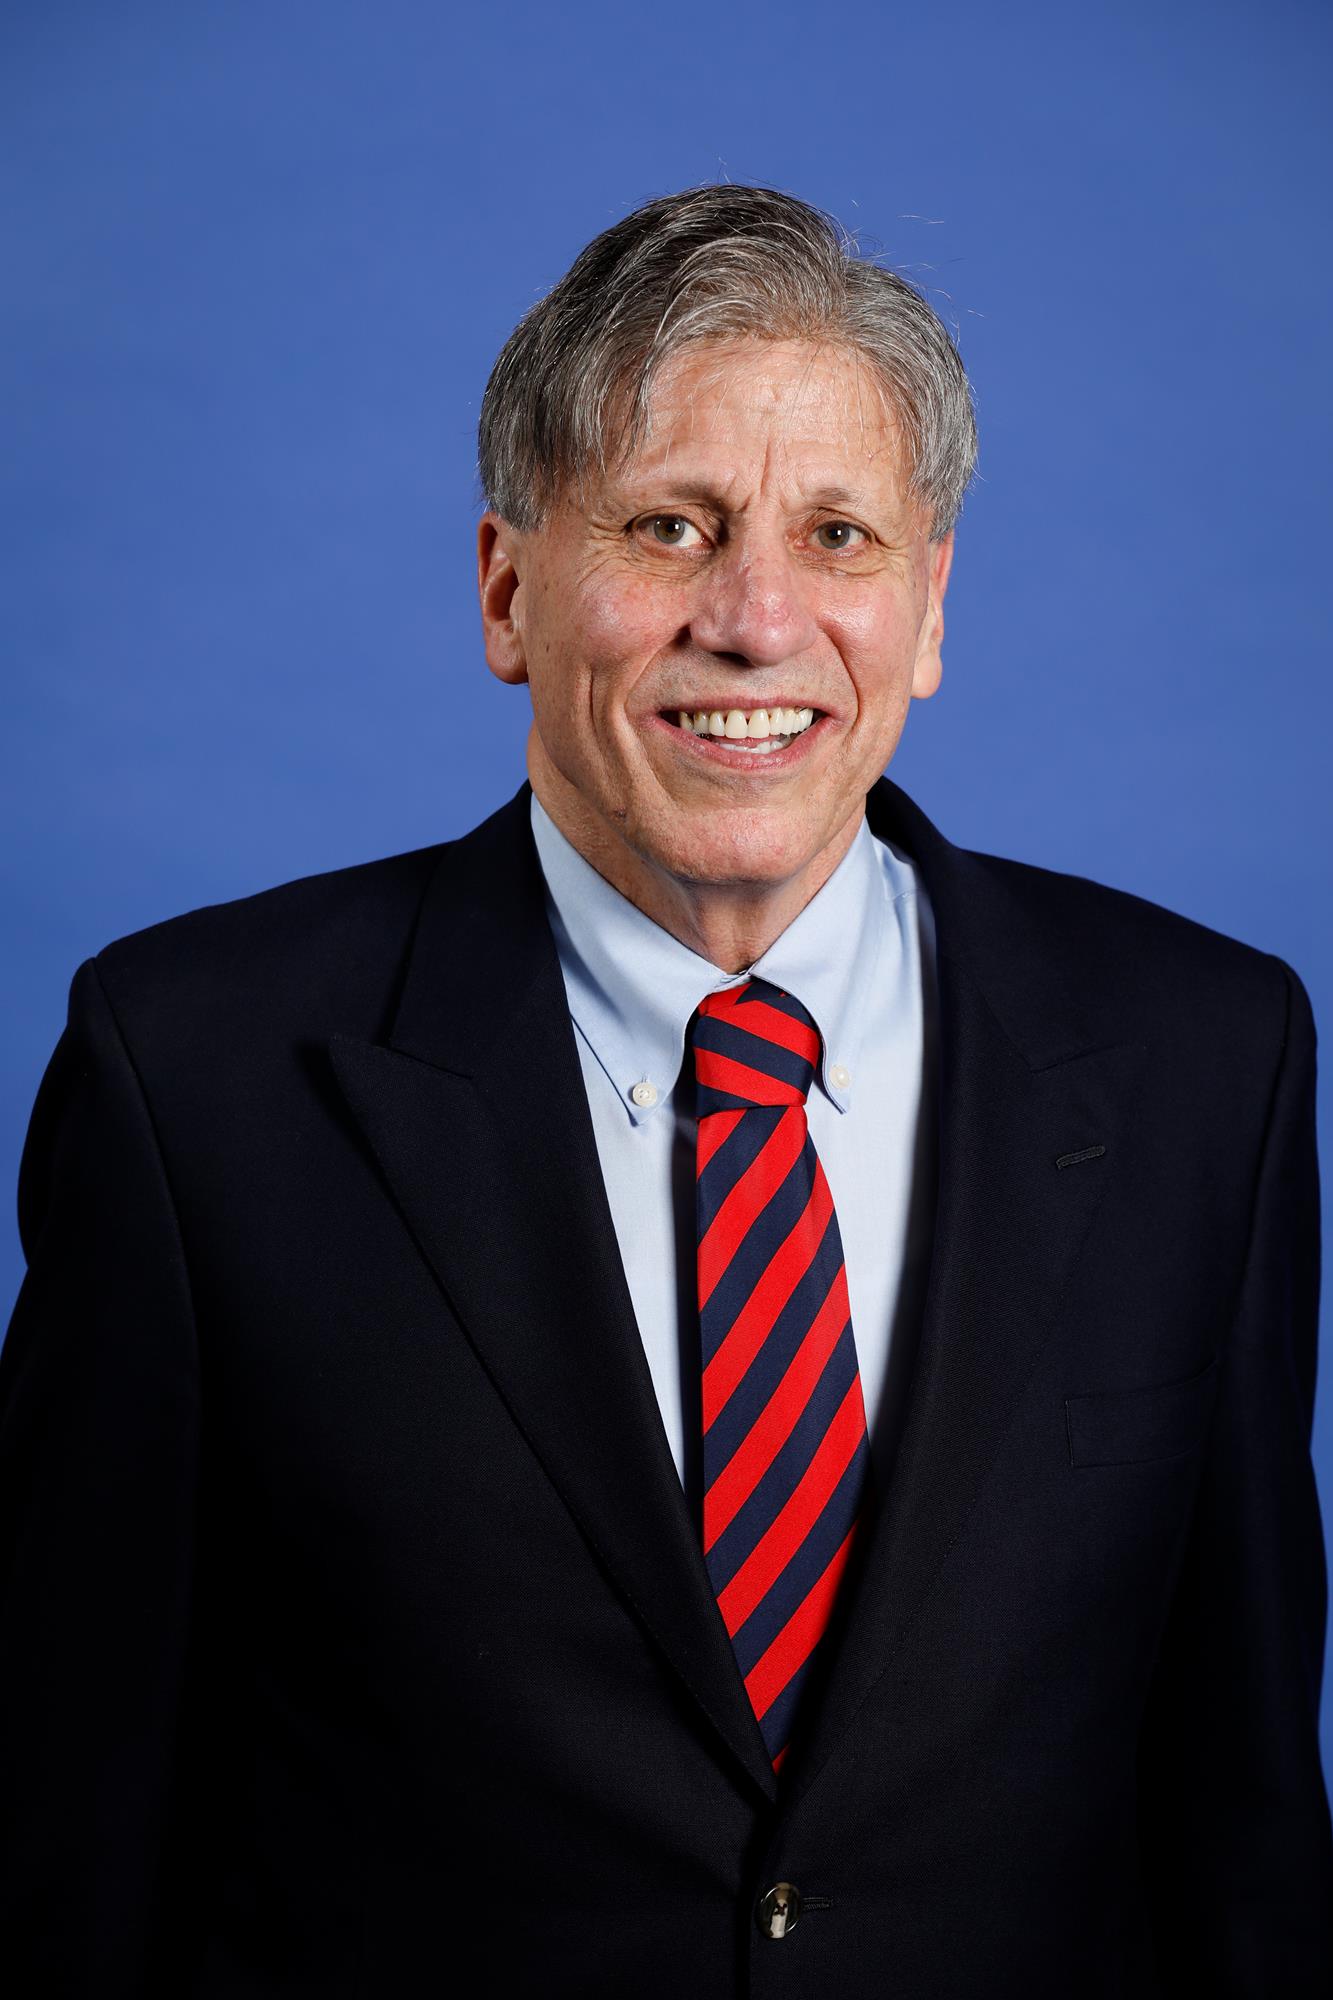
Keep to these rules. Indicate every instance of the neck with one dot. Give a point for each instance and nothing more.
(731, 924)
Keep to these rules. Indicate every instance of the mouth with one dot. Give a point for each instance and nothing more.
(757, 733)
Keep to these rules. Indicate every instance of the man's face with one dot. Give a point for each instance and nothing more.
(758, 555)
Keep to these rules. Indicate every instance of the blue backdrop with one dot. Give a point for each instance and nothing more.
(258, 260)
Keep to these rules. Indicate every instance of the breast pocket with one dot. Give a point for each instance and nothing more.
(1136, 1426)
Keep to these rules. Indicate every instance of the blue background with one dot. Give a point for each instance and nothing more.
(259, 258)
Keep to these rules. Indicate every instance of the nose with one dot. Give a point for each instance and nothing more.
(751, 606)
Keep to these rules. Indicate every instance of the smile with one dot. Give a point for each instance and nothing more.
(759, 732)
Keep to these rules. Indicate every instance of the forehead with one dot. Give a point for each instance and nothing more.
(793, 410)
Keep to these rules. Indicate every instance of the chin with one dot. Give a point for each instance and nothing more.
(735, 848)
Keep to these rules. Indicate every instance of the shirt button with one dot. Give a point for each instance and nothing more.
(839, 1077)
(779, 1909)
(644, 1095)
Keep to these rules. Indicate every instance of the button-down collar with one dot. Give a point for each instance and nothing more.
(633, 988)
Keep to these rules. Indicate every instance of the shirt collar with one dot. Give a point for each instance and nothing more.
(633, 987)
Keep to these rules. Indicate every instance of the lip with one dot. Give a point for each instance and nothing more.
(729, 701)
(721, 753)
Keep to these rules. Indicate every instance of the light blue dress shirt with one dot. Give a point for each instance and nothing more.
(861, 958)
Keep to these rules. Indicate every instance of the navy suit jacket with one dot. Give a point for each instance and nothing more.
(355, 1638)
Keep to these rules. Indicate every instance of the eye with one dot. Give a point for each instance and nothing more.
(837, 534)
(671, 531)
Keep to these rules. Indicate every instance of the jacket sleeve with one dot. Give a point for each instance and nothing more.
(98, 1450)
(1234, 1819)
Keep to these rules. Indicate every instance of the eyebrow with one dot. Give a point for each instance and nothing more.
(837, 496)
(699, 490)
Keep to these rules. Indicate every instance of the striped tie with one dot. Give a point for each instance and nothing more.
(784, 1450)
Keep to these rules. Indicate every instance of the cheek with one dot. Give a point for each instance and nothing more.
(598, 646)
(588, 652)
(622, 626)
(877, 642)
(601, 631)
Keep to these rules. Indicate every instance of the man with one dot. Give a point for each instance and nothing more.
(699, 1392)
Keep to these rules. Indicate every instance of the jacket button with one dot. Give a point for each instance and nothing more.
(779, 1909)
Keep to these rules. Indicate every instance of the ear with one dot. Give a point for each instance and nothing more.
(499, 585)
(928, 668)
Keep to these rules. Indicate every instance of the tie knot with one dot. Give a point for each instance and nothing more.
(753, 1045)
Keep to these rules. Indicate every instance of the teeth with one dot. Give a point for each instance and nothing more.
(737, 725)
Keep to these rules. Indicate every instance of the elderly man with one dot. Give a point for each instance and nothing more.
(698, 1392)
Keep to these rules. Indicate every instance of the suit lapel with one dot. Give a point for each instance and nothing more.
(477, 1116)
(1025, 1076)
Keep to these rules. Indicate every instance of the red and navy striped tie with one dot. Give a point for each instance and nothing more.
(784, 1429)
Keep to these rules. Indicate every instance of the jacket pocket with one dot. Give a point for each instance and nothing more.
(1135, 1426)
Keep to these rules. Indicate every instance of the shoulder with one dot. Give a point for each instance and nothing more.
(1068, 961)
(324, 948)
(236, 985)
(1139, 964)
(1100, 925)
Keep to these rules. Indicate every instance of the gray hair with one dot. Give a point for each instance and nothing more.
(710, 264)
